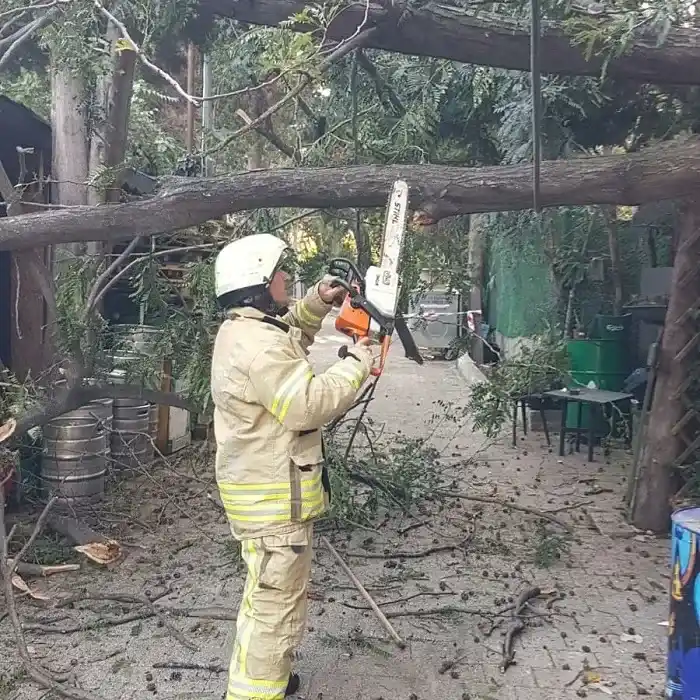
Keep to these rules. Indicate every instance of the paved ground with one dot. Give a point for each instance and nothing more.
(599, 615)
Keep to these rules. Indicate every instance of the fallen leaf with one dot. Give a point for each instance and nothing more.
(124, 45)
(602, 688)
(103, 553)
(7, 429)
(636, 638)
(19, 583)
(591, 677)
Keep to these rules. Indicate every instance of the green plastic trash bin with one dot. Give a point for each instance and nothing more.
(611, 328)
(604, 362)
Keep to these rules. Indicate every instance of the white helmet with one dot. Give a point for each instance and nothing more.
(247, 262)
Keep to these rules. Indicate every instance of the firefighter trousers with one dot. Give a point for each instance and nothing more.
(272, 616)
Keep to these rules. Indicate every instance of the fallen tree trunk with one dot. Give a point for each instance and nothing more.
(667, 171)
(446, 31)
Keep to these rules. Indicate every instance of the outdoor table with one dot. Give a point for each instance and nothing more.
(596, 400)
(522, 402)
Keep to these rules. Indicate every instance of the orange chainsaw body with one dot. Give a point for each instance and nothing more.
(352, 321)
(355, 323)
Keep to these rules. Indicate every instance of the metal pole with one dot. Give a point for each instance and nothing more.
(536, 93)
(207, 115)
(189, 140)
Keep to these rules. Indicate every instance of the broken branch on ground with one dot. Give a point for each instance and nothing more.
(39, 675)
(189, 666)
(413, 555)
(398, 601)
(152, 610)
(507, 504)
(375, 608)
(517, 625)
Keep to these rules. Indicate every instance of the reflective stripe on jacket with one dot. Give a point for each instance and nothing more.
(269, 411)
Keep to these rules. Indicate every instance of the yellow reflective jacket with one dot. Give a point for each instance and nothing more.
(269, 411)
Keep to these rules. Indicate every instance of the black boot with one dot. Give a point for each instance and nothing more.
(292, 684)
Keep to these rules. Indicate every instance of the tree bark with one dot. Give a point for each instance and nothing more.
(70, 139)
(668, 171)
(661, 447)
(445, 31)
(108, 143)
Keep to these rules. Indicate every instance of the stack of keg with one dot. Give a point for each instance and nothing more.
(132, 446)
(76, 452)
(135, 421)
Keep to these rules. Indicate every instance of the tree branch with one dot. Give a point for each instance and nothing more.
(95, 293)
(80, 396)
(447, 31)
(43, 279)
(133, 46)
(358, 39)
(24, 34)
(37, 674)
(271, 136)
(18, 12)
(384, 91)
(667, 171)
(17, 560)
(11, 197)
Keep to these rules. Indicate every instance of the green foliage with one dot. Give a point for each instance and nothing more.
(75, 42)
(441, 254)
(11, 682)
(538, 366)
(363, 485)
(549, 547)
(312, 268)
(614, 36)
(193, 335)
(152, 148)
(74, 332)
(30, 88)
(15, 397)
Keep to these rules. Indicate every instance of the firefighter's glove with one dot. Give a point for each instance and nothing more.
(329, 294)
(369, 350)
(340, 268)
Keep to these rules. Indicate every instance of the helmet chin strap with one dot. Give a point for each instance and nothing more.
(263, 302)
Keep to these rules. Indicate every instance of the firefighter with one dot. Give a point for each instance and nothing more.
(270, 408)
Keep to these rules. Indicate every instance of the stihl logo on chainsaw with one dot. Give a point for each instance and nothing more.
(396, 212)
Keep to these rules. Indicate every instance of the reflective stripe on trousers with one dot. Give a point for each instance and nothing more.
(261, 503)
(272, 616)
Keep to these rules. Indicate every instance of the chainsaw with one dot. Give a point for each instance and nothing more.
(369, 309)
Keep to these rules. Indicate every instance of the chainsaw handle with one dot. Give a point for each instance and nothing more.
(338, 282)
(344, 351)
(347, 270)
